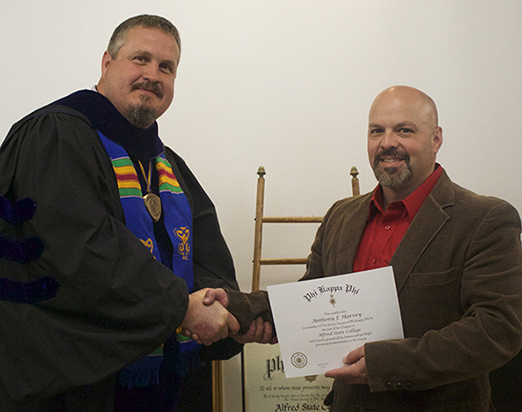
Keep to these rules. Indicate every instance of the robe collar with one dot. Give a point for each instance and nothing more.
(145, 144)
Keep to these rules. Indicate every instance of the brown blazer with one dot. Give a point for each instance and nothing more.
(458, 273)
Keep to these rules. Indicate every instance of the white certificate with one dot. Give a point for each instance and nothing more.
(319, 321)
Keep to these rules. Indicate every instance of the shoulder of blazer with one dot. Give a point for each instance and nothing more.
(447, 194)
(350, 204)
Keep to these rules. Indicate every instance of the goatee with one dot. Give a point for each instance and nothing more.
(392, 176)
(141, 116)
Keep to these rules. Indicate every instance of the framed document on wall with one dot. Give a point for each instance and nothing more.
(266, 389)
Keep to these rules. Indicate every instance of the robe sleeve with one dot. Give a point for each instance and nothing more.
(247, 307)
(115, 303)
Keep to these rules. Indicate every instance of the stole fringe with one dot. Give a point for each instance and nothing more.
(179, 359)
(142, 373)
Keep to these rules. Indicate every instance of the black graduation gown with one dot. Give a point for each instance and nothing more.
(115, 302)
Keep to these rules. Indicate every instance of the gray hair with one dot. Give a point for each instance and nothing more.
(144, 20)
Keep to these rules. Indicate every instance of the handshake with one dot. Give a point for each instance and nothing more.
(207, 320)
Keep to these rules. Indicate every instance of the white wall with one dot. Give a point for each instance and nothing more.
(287, 84)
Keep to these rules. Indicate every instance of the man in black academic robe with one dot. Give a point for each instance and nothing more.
(113, 302)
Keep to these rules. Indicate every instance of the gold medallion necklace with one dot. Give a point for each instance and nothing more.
(152, 201)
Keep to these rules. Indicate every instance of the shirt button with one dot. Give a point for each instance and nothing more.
(374, 261)
(389, 385)
(387, 227)
(408, 385)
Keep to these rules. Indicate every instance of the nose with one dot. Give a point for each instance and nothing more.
(389, 139)
(151, 73)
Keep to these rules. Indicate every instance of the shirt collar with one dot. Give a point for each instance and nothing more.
(413, 202)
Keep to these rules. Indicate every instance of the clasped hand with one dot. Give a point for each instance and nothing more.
(259, 331)
(209, 322)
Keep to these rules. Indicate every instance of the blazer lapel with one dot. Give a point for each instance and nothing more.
(427, 223)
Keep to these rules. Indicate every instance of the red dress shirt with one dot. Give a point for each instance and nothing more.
(386, 228)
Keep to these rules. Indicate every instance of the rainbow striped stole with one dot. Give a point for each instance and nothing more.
(129, 184)
(177, 220)
(167, 180)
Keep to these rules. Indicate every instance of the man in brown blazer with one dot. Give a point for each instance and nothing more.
(457, 261)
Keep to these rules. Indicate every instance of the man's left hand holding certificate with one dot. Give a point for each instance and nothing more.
(320, 321)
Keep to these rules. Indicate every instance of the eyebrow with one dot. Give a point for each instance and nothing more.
(402, 124)
(136, 52)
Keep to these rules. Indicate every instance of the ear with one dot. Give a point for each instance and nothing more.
(437, 139)
(106, 60)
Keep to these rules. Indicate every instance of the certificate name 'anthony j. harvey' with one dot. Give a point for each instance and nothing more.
(319, 321)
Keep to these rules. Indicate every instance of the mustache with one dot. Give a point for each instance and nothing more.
(149, 86)
(391, 152)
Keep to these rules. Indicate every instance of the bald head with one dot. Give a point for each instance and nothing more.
(397, 96)
(403, 140)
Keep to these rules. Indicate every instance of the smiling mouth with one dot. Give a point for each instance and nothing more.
(147, 90)
(390, 156)
(391, 160)
(149, 87)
